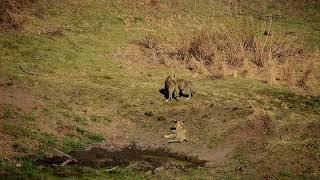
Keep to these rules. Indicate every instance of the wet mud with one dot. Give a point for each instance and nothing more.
(147, 159)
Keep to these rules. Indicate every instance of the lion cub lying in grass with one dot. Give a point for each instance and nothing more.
(179, 134)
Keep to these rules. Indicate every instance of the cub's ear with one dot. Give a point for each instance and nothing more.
(181, 121)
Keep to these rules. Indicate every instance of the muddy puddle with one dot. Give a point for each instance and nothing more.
(146, 160)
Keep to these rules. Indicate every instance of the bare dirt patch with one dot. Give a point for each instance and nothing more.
(214, 134)
(65, 130)
(12, 147)
(22, 98)
(17, 105)
(6, 148)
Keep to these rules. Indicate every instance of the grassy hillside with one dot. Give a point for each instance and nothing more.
(78, 73)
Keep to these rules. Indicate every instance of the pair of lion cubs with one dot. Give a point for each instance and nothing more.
(174, 89)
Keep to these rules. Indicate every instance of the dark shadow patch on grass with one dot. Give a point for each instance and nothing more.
(164, 92)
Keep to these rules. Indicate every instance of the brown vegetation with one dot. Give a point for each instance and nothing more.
(232, 52)
(53, 32)
(13, 13)
(306, 76)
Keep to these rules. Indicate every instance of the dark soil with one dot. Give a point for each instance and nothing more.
(149, 159)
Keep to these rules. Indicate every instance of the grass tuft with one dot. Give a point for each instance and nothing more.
(16, 130)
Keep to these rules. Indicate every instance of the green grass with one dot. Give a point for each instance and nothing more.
(95, 138)
(48, 139)
(16, 130)
(83, 83)
(92, 137)
(30, 171)
(101, 119)
(70, 143)
(8, 112)
(80, 119)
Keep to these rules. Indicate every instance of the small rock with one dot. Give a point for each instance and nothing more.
(161, 168)
(277, 100)
(18, 165)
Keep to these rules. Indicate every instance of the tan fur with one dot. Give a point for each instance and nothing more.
(179, 135)
(168, 79)
(185, 87)
(171, 87)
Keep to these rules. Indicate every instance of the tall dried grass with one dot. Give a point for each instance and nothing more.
(234, 51)
(302, 82)
(240, 50)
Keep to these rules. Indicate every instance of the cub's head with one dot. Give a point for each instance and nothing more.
(171, 77)
(179, 124)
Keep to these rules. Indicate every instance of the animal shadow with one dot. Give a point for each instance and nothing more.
(181, 94)
(164, 92)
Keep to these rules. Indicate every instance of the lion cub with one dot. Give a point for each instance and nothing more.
(176, 87)
(179, 134)
(185, 87)
(171, 87)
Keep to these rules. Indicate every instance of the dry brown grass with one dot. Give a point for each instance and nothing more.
(149, 42)
(234, 51)
(137, 4)
(13, 13)
(262, 122)
(288, 72)
(302, 82)
(53, 32)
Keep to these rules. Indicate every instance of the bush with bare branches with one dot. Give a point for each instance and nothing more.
(306, 76)
(11, 13)
(231, 51)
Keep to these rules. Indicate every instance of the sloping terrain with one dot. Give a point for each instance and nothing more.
(87, 73)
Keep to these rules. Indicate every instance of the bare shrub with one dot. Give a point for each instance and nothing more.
(181, 50)
(221, 69)
(201, 47)
(270, 68)
(11, 13)
(306, 76)
(148, 42)
(259, 57)
(248, 70)
(197, 66)
(288, 72)
(231, 51)
(262, 122)
(206, 46)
